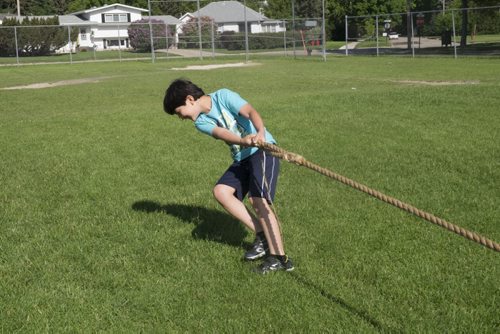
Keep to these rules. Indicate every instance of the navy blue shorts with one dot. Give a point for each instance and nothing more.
(256, 176)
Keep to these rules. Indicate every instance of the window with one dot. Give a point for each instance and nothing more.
(116, 42)
(115, 18)
(268, 28)
(83, 34)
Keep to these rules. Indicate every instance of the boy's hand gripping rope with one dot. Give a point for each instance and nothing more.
(301, 161)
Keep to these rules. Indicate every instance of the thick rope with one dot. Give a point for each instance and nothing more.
(301, 161)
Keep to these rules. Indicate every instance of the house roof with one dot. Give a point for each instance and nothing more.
(229, 11)
(186, 16)
(167, 19)
(112, 6)
(73, 20)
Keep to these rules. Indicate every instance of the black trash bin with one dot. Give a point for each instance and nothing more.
(446, 38)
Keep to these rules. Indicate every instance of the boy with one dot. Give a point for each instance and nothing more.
(225, 115)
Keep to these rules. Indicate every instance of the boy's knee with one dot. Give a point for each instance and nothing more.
(219, 192)
(259, 204)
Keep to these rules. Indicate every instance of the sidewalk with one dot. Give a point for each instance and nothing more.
(350, 46)
(188, 53)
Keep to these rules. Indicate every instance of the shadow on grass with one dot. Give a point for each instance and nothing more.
(209, 224)
(363, 315)
(218, 226)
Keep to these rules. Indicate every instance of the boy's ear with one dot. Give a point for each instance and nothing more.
(190, 98)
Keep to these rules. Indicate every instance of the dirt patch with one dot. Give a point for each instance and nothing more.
(212, 67)
(437, 83)
(57, 83)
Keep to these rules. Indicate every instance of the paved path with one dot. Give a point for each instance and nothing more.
(402, 42)
(350, 46)
(189, 53)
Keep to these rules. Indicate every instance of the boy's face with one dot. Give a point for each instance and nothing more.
(190, 110)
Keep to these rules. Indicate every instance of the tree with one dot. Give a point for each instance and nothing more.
(37, 7)
(465, 21)
(176, 9)
(8, 6)
(278, 9)
(77, 5)
(308, 8)
(33, 39)
(60, 7)
(190, 32)
(140, 37)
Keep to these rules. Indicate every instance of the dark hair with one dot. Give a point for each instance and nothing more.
(176, 94)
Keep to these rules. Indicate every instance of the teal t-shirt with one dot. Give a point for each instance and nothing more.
(226, 106)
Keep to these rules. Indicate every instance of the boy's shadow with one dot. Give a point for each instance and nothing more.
(209, 224)
(218, 226)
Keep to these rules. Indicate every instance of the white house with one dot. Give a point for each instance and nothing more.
(103, 27)
(230, 16)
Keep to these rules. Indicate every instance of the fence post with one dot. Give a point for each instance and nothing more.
(151, 33)
(412, 36)
(346, 36)
(409, 27)
(246, 29)
(293, 27)
(284, 36)
(323, 30)
(166, 39)
(454, 39)
(17, 47)
(119, 44)
(199, 29)
(376, 31)
(70, 46)
(212, 30)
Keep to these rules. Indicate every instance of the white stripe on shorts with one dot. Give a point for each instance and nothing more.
(263, 175)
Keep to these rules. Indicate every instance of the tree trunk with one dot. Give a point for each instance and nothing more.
(465, 21)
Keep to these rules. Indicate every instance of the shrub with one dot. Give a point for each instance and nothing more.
(33, 39)
(140, 38)
(189, 38)
(231, 40)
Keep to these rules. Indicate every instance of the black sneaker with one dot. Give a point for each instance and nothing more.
(288, 264)
(258, 250)
(273, 264)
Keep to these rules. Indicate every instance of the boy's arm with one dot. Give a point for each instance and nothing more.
(229, 137)
(249, 112)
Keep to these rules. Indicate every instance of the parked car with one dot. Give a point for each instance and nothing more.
(393, 35)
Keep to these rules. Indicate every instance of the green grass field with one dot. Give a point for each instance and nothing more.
(107, 222)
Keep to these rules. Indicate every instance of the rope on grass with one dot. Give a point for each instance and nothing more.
(301, 161)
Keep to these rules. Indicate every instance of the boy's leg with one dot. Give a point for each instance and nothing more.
(262, 187)
(230, 191)
(264, 172)
(269, 224)
(225, 196)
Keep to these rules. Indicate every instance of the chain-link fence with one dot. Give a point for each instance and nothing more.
(453, 32)
(297, 38)
(155, 40)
